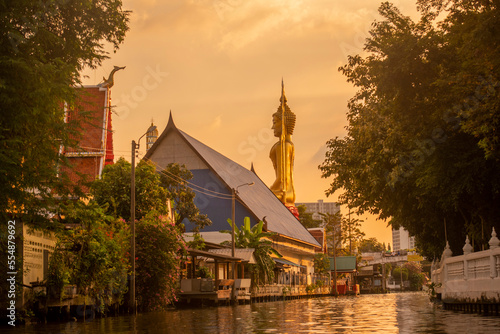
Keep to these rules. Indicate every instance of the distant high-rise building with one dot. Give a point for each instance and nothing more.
(320, 207)
(401, 239)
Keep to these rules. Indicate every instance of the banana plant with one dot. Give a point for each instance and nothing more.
(254, 237)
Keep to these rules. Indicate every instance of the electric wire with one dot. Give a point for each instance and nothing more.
(191, 185)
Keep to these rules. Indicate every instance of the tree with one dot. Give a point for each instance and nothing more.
(254, 237)
(370, 245)
(306, 219)
(399, 273)
(44, 46)
(415, 275)
(92, 255)
(333, 231)
(174, 178)
(351, 233)
(321, 263)
(420, 150)
(159, 251)
(113, 190)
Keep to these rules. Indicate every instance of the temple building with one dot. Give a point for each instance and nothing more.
(215, 177)
(95, 139)
(95, 150)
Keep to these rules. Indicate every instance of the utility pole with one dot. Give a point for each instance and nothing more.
(233, 203)
(335, 263)
(132, 222)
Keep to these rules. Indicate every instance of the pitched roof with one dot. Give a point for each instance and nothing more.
(245, 254)
(258, 199)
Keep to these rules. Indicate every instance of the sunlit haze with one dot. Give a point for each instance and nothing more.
(218, 64)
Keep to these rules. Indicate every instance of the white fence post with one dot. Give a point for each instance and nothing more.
(494, 243)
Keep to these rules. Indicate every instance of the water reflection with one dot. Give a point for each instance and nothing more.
(391, 313)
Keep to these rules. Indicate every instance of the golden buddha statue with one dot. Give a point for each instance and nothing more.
(283, 152)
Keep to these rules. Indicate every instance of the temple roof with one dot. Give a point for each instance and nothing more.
(258, 199)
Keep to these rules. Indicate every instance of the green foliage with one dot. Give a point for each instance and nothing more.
(159, 249)
(174, 178)
(432, 289)
(333, 230)
(254, 237)
(44, 46)
(91, 255)
(351, 234)
(197, 243)
(343, 234)
(422, 149)
(415, 275)
(306, 219)
(204, 272)
(321, 263)
(310, 288)
(113, 189)
(398, 273)
(370, 245)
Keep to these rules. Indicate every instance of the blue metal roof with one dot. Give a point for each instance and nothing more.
(258, 200)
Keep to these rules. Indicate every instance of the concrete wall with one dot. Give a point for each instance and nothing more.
(471, 277)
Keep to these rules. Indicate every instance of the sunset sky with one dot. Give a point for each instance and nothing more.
(218, 65)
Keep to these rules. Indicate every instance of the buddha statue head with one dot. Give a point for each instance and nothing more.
(289, 119)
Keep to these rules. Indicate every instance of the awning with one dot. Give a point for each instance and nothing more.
(218, 257)
(288, 263)
(245, 254)
(345, 264)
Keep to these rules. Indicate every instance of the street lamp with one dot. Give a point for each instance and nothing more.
(132, 219)
(234, 191)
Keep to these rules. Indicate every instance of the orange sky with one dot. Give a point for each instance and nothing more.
(218, 64)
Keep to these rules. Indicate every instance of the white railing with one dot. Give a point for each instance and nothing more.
(469, 277)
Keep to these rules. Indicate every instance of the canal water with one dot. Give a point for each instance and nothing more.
(389, 313)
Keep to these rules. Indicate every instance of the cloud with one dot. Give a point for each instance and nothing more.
(319, 156)
(217, 122)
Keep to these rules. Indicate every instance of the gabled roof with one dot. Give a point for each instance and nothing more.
(258, 199)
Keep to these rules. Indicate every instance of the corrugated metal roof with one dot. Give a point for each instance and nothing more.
(213, 237)
(259, 199)
(344, 264)
(290, 263)
(245, 254)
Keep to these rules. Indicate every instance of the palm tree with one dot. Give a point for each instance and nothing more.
(256, 238)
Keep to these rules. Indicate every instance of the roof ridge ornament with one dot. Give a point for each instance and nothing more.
(110, 81)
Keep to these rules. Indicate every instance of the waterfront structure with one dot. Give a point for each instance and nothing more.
(282, 154)
(345, 267)
(469, 282)
(315, 208)
(216, 178)
(93, 151)
(36, 251)
(401, 240)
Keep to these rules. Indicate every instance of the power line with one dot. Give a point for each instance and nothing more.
(193, 186)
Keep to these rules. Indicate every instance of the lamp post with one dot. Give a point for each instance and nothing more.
(132, 221)
(234, 191)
